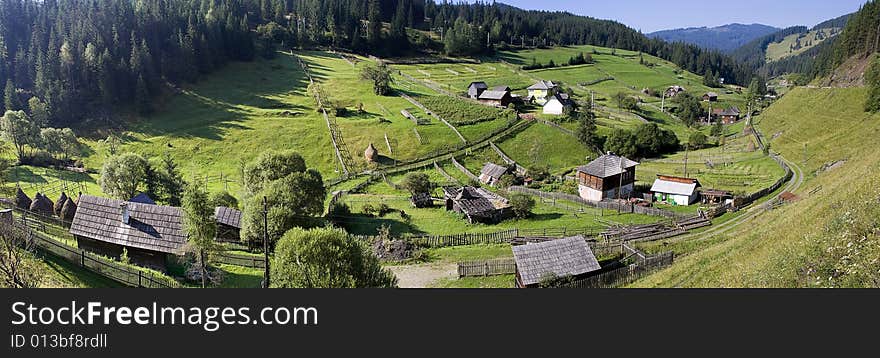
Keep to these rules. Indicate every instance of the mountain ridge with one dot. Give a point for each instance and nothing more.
(725, 38)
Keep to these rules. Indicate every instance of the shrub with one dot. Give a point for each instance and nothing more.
(522, 205)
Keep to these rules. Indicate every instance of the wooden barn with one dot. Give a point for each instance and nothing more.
(710, 97)
(496, 98)
(601, 178)
(562, 258)
(477, 204)
(475, 89)
(492, 173)
(152, 234)
(228, 224)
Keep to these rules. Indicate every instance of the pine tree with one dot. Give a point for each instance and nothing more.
(374, 28)
(142, 101)
(10, 97)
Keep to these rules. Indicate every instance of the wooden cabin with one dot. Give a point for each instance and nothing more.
(608, 177)
(537, 263)
(151, 234)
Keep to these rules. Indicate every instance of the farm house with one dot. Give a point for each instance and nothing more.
(673, 91)
(475, 89)
(542, 91)
(492, 173)
(609, 176)
(477, 204)
(151, 234)
(675, 190)
(730, 115)
(558, 104)
(228, 224)
(562, 258)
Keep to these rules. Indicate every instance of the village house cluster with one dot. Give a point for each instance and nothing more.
(543, 93)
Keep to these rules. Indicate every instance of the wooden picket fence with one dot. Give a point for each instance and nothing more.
(241, 260)
(494, 267)
(624, 275)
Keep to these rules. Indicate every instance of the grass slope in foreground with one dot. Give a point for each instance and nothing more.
(827, 239)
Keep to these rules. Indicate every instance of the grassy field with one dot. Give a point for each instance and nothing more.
(780, 50)
(542, 145)
(827, 239)
(730, 167)
(437, 221)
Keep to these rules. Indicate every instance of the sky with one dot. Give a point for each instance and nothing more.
(653, 15)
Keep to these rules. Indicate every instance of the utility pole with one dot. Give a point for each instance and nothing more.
(265, 244)
(663, 102)
(620, 185)
(592, 100)
(687, 147)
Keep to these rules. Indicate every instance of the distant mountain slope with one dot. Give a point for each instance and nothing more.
(724, 38)
(791, 49)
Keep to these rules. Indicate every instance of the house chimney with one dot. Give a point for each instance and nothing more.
(125, 213)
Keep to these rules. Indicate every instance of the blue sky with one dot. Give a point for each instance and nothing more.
(653, 15)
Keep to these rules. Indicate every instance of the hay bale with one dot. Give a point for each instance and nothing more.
(68, 211)
(22, 201)
(60, 203)
(42, 205)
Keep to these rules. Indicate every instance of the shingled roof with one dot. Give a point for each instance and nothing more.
(493, 170)
(542, 85)
(143, 198)
(228, 216)
(479, 85)
(564, 257)
(607, 165)
(494, 95)
(476, 201)
(150, 227)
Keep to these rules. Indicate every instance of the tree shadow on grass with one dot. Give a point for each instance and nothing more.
(360, 224)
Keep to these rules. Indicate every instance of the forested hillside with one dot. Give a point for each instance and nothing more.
(724, 38)
(82, 59)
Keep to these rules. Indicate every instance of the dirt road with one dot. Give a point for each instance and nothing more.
(420, 276)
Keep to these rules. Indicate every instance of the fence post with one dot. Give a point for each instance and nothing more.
(140, 274)
(82, 258)
(486, 271)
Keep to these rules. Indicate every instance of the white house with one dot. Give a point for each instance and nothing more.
(675, 190)
(558, 104)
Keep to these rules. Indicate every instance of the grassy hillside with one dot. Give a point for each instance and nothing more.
(789, 46)
(827, 239)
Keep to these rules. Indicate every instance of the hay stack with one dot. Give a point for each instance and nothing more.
(371, 154)
(60, 203)
(22, 201)
(68, 211)
(42, 205)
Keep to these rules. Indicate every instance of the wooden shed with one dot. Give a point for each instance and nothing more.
(477, 204)
(563, 258)
(228, 224)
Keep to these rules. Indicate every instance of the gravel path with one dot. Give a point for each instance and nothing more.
(421, 276)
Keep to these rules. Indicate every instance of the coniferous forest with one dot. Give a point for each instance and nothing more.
(83, 58)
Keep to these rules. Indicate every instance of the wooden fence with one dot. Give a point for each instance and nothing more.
(608, 205)
(256, 262)
(493, 267)
(624, 275)
(100, 265)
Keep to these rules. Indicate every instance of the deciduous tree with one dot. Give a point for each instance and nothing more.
(326, 258)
